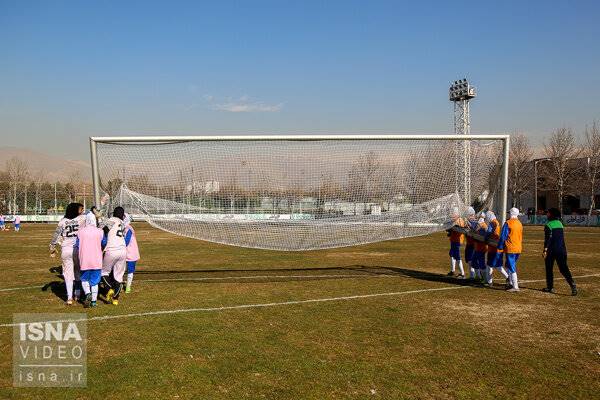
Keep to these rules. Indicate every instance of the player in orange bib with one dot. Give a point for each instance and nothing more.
(511, 242)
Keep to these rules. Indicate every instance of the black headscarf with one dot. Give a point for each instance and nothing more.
(119, 212)
(72, 210)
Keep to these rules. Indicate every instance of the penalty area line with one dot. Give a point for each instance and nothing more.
(544, 280)
(276, 304)
(255, 305)
(21, 288)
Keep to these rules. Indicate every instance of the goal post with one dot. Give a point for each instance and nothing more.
(299, 192)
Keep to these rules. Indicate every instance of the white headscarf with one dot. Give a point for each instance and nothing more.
(490, 216)
(90, 219)
(514, 212)
(470, 211)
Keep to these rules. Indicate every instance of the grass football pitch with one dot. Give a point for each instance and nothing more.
(378, 321)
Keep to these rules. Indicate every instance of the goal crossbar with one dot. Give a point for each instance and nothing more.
(142, 139)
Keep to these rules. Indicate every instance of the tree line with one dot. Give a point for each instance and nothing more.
(24, 191)
(569, 165)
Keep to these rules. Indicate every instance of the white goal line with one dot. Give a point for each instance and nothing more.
(282, 303)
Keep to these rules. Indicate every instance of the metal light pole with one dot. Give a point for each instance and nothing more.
(535, 194)
(460, 93)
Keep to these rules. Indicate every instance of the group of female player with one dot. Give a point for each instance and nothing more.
(488, 247)
(16, 220)
(95, 252)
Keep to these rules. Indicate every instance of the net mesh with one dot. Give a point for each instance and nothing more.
(298, 195)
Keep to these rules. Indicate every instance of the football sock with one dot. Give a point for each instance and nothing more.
(94, 292)
(514, 280)
(502, 271)
(86, 287)
(105, 284)
(129, 279)
(117, 288)
(69, 284)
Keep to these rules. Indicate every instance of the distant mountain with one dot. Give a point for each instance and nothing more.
(54, 168)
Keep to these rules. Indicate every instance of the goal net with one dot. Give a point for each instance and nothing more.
(298, 194)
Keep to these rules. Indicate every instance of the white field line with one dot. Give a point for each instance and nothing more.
(21, 288)
(275, 304)
(544, 280)
(246, 306)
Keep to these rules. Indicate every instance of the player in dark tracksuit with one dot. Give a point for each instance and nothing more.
(556, 250)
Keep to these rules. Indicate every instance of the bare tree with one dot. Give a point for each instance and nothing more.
(363, 180)
(73, 185)
(4, 192)
(520, 166)
(560, 149)
(38, 181)
(591, 150)
(231, 190)
(17, 171)
(329, 190)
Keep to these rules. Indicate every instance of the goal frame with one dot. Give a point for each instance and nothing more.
(94, 140)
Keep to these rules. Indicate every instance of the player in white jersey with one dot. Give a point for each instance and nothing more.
(115, 254)
(66, 235)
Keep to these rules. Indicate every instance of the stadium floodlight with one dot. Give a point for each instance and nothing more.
(460, 93)
(297, 192)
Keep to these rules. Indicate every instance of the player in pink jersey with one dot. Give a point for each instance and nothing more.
(133, 252)
(66, 235)
(17, 223)
(115, 254)
(89, 242)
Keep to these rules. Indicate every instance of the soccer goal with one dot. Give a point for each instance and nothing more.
(300, 192)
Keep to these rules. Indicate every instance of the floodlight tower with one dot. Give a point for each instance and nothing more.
(461, 93)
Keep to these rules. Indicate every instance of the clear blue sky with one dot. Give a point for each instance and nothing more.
(69, 70)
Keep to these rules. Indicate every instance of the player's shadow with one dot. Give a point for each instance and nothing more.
(56, 286)
(411, 273)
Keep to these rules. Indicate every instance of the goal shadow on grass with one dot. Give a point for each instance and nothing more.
(249, 275)
(279, 275)
(283, 274)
